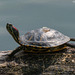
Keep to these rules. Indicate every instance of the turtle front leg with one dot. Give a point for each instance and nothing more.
(15, 51)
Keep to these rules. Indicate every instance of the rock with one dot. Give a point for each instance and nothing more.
(57, 63)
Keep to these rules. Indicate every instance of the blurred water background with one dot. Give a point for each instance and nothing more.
(32, 14)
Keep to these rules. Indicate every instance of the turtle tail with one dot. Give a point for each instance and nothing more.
(72, 39)
(71, 45)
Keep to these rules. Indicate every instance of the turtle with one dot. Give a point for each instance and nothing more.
(40, 40)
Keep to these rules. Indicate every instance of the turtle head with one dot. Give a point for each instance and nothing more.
(13, 31)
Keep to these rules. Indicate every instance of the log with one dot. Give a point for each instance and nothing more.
(56, 63)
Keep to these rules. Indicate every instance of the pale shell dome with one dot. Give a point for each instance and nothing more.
(44, 37)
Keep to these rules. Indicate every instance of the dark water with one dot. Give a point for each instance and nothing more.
(32, 14)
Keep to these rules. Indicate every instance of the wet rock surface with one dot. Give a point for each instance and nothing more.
(57, 63)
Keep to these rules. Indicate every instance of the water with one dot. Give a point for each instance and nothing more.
(32, 14)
